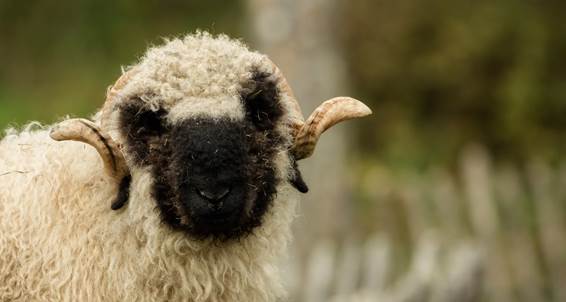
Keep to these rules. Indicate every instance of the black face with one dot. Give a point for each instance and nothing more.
(212, 176)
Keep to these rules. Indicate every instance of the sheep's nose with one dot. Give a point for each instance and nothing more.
(213, 195)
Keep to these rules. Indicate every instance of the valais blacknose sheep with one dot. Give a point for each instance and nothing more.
(194, 195)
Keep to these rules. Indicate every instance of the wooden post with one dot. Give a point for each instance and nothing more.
(299, 37)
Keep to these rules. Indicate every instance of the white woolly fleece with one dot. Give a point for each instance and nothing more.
(59, 240)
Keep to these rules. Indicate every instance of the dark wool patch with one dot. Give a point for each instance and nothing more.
(123, 193)
(261, 100)
(164, 192)
(213, 177)
(143, 129)
(215, 155)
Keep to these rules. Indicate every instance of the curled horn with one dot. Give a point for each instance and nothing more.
(112, 96)
(296, 119)
(85, 131)
(306, 133)
(328, 114)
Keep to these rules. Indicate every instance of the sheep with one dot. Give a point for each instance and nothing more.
(194, 195)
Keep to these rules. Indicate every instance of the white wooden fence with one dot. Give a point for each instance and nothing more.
(482, 233)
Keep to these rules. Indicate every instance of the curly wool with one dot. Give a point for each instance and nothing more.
(59, 241)
(196, 75)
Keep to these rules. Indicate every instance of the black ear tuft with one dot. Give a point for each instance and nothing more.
(141, 125)
(123, 193)
(296, 179)
(261, 100)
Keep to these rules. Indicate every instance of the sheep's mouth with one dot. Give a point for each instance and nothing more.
(232, 215)
(216, 224)
(220, 217)
(215, 178)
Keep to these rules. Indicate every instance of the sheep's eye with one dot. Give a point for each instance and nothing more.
(261, 100)
(142, 122)
(149, 123)
(142, 127)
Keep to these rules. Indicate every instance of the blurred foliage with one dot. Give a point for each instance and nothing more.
(58, 57)
(442, 73)
(438, 74)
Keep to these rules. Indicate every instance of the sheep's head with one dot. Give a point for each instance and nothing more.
(218, 127)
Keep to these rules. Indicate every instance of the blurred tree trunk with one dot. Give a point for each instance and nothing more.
(298, 36)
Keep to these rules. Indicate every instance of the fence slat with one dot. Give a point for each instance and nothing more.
(348, 270)
(377, 259)
(516, 250)
(320, 271)
(551, 228)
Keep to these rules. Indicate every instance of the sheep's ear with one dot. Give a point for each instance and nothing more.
(123, 193)
(85, 131)
(140, 126)
(296, 179)
(325, 116)
(261, 101)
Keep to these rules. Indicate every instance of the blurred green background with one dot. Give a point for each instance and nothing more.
(440, 75)
(58, 57)
(443, 73)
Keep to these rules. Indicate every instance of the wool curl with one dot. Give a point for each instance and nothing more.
(59, 241)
